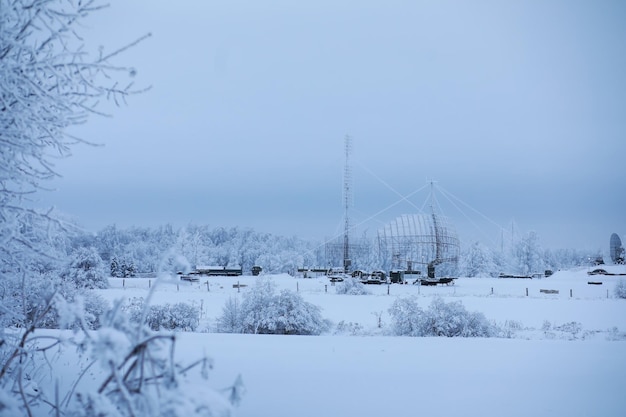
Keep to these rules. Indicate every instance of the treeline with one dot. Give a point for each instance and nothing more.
(139, 250)
(523, 256)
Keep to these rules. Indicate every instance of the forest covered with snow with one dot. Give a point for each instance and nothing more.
(166, 249)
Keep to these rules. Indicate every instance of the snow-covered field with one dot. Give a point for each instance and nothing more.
(566, 354)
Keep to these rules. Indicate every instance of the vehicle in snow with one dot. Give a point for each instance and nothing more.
(376, 277)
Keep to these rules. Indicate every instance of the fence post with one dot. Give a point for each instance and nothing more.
(491, 290)
(326, 288)
(388, 285)
(207, 285)
(149, 283)
(526, 292)
(297, 287)
(123, 283)
(177, 289)
(607, 293)
(570, 293)
(238, 286)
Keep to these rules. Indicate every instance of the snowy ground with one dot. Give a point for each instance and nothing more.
(565, 355)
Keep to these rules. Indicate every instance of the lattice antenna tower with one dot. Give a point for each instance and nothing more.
(436, 226)
(347, 202)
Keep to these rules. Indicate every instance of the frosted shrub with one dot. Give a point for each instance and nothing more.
(407, 319)
(620, 289)
(262, 311)
(440, 319)
(95, 307)
(353, 329)
(138, 374)
(179, 316)
(509, 329)
(453, 320)
(352, 286)
(143, 379)
(92, 308)
(26, 301)
(296, 316)
(230, 320)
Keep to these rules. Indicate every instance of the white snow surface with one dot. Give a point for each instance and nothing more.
(540, 371)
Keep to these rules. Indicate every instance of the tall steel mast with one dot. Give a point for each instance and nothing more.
(347, 200)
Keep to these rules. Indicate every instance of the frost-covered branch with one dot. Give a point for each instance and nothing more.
(48, 83)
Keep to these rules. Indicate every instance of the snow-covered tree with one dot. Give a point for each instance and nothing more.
(477, 261)
(173, 263)
(528, 254)
(86, 269)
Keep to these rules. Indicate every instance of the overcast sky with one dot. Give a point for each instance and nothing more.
(517, 108)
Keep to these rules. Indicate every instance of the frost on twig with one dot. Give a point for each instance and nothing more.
(48, 83)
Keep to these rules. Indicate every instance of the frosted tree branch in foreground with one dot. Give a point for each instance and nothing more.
(48, 83)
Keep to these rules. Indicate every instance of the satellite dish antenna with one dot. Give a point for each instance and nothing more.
(617, 250)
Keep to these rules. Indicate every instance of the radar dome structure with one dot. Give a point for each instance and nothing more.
(418, 239)
(616, 249)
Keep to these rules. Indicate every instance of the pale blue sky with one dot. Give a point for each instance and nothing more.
(517, 107)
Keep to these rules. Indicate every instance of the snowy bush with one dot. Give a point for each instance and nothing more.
(296, 316)
(620, 289)
(82, 311)
(613, 334)
(350, 328)
(406, 318)
(257, 307)
(179, 316)
(262, 311)
(230, 320)
(95, 307)
(138, 374)
(352, 286)
(453, 320)
(440, 319)
(569, 331)
(509, 329)
(25, 301)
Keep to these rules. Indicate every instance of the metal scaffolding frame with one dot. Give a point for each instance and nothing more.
(418, 239)
(358, 249)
